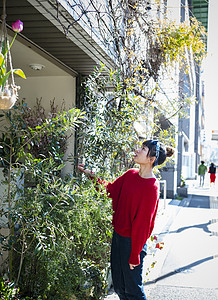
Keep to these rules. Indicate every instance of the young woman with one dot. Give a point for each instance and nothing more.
(135, 197)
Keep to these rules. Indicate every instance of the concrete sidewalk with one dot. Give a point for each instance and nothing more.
(163, 223)
(189, 267)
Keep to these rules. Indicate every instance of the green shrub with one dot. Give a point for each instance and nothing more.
(60, 228)
(8, 290)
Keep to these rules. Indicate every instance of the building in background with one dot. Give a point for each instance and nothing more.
(58, 46)
(54, 51)
(190, 139)
(211, 149)
(199, 9)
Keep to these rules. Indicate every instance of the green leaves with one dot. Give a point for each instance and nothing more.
(3, 67)
(174, 40)
(2, 59)
(108, 131)
(3, 79)
(8, 289)
(19, 72)
(43, 202)
(4, 48)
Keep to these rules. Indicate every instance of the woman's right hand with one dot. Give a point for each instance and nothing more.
(87, 172)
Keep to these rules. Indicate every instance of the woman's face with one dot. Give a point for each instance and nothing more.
(141, 155)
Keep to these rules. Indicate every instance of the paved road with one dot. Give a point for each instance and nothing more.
(189, 267)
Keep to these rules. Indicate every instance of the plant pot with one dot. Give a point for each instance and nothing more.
(6, 102)
(182, 191)
(8, 96)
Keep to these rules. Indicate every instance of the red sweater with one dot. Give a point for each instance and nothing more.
(135, 202)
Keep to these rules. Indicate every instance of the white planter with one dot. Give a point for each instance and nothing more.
(8, 96)
(6, 102)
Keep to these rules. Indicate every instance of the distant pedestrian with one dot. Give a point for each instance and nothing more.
(202, 169)
(212, 171)
(135, 197)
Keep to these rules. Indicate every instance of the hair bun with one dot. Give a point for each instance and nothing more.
(169, 151)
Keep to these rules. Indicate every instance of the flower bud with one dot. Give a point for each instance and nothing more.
(17, 26)
(159, 246)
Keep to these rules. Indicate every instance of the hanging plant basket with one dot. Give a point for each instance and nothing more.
(8, 89)
(8, 97)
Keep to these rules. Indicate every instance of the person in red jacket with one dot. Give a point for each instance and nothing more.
(212, 171)
(135, 197)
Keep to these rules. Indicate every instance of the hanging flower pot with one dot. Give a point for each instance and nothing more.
(8, 97)
(8, 92)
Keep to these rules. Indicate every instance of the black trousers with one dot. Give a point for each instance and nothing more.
(127, 283)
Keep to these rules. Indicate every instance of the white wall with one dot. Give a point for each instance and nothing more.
(173, 10)
(50, 87)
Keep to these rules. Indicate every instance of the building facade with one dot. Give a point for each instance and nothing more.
(59, 44)
(190, 126)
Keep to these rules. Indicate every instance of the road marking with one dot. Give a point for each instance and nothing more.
(213, 202)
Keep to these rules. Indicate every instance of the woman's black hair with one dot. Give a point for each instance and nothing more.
(158, 150)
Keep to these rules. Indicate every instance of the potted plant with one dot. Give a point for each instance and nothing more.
(8, 92)
(182, 190)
